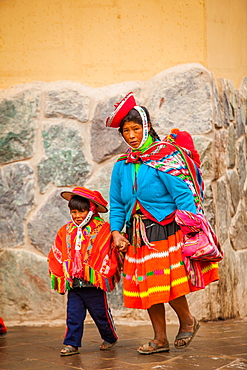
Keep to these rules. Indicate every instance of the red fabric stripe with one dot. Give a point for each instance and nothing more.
(109, 318)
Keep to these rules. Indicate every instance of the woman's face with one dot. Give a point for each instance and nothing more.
(132, 133)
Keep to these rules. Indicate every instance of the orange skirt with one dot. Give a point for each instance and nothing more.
(157, 274)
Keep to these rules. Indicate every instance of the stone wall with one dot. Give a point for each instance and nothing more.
(53, 137)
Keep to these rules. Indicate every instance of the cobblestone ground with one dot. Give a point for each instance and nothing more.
(217, 345)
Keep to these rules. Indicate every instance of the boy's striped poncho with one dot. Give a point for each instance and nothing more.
(99, 263)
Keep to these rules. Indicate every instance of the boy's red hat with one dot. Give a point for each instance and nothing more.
(92, 195)
(121, 109)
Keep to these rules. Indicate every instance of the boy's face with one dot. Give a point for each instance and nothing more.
(78, 216)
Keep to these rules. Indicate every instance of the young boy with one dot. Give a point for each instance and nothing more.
(83, 261)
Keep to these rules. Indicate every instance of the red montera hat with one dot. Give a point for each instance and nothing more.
(121, 110)
(92, 195)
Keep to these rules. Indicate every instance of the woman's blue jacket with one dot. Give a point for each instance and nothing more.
(158, 192)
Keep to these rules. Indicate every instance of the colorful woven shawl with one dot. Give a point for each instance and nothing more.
(173, 160)
(100, 262)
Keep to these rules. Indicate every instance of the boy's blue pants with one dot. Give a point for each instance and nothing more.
(95, 301)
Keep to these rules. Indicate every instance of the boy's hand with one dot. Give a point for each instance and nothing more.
(120, 241)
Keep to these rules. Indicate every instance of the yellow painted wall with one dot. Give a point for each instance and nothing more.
(100, 42)
(227, 39)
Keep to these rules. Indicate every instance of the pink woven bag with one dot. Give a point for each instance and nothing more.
(199, 239)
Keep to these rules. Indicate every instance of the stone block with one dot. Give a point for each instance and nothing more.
(204, 146)
(240, 115)
(45, 223)
(243, 93)
(243, 87)
(238, 228)
(183, 97)
(105, 141)
(115, 298)
(17, 187)
(203, 305)
(231, 98)
(208, 204)
(231, 150)
(18, 123)
(241, 162)
(233, 181)
(67, 103)
(222, 204)
(224, 101)
(220, 150)
(245, 195)
(228, 286)
(221, 299)
(217, 114)
(241, 291)
(63, 163)
(26, 294)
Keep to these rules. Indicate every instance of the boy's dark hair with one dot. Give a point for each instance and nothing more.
(79, 203)
(134, 116)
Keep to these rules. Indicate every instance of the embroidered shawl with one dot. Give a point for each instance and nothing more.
(173, 160)
(100, 262)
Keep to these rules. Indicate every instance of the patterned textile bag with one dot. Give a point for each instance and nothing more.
(200, 241)
(200, 244)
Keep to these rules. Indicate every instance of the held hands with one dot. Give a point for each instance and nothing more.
(120, 241)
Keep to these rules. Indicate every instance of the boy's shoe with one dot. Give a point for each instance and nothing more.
(69, 350)
(105, 345)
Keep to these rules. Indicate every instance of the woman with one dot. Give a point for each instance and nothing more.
(149, 183)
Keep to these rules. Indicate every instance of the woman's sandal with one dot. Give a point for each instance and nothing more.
(106, 346)
(187, 336)
(156, 349)
(69, 351)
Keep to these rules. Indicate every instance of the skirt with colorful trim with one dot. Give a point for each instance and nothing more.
(157, 274)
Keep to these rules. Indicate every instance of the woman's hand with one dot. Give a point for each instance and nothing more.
(120, 241)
